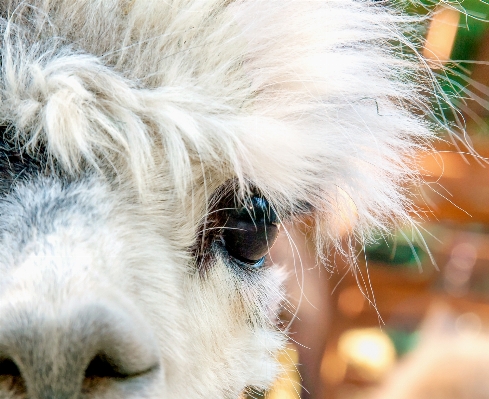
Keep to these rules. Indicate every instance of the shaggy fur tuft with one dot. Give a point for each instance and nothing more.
(304, 99)
(133, 114)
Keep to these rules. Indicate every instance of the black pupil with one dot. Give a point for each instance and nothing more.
(251, 230)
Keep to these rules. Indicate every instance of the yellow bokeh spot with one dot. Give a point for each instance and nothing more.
(368, 350)
(288, 385)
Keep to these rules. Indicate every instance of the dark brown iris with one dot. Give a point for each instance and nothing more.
(244, 229)
(250, 231)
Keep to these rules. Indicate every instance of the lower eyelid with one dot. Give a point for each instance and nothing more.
(251, 266)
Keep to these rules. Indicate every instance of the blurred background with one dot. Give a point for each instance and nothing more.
(420, 328)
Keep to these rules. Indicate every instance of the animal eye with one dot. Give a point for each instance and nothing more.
(250, 231)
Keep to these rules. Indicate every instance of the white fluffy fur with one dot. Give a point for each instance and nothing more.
(302, 98)
(161, 102)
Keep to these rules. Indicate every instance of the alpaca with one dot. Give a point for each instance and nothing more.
(151, 150)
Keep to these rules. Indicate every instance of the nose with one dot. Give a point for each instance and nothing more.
(84, 349)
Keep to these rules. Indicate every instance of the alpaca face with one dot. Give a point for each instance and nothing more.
(97, 301)
(150, 151)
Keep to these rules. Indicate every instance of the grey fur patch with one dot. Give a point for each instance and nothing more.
(53, 352)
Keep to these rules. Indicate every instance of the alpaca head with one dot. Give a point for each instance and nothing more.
(150, 151)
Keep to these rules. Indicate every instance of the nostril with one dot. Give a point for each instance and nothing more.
(11, 380)
(102, 366)
(86, 349)
(8, 368)
(103, 369)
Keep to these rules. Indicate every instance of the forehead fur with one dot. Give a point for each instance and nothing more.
(306, 100)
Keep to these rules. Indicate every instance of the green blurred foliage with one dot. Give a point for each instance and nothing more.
(398, 251)
(473, 24)
(403, 341)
